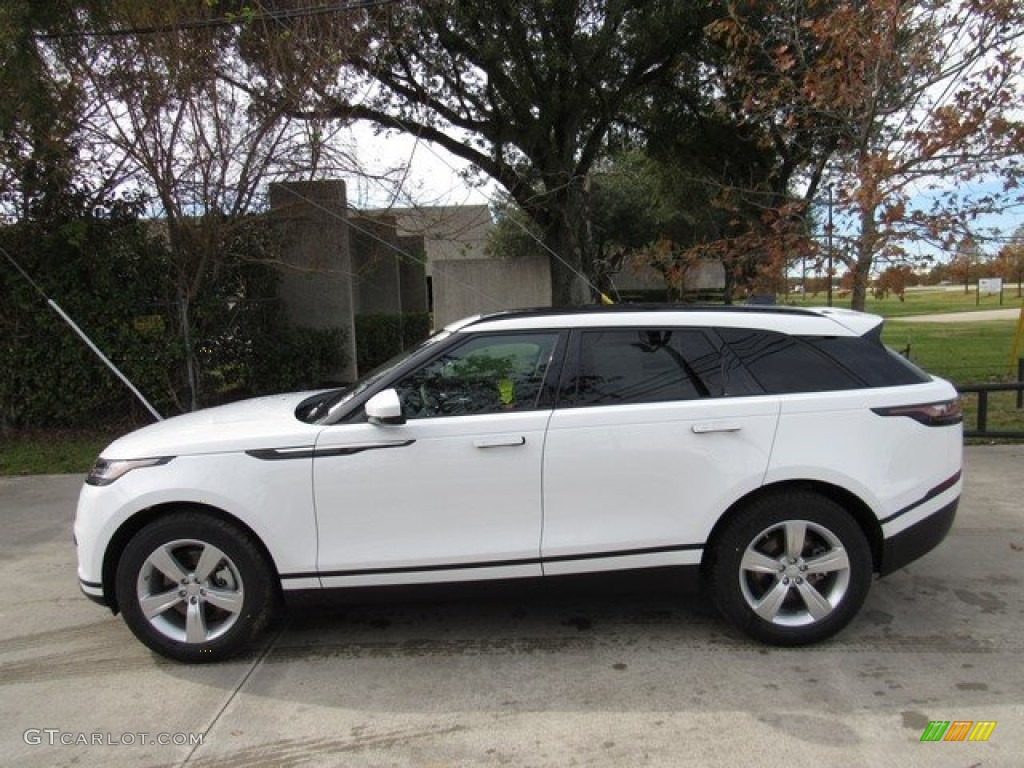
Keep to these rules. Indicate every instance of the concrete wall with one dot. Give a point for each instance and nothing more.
(377, 285)
(701, 276)
(316, 281)
(706, 276)
(447, 231)
(413, 274)
(341, 264)
(390, 275)
(464, 287)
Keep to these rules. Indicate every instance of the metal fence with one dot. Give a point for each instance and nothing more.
(981, 426)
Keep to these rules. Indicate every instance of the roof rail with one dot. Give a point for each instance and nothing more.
(643, 307)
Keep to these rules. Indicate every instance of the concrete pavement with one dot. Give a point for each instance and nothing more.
(558, 680)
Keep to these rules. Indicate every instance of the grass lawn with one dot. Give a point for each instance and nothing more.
(965, 353)
(917, 301)
(44, 452)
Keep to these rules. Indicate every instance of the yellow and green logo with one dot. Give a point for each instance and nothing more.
(958, 730)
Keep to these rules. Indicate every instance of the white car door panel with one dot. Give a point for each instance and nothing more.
(641, 485)
(454, 493)
(646, 449)
(412, 503)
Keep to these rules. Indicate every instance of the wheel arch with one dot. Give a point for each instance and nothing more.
(144, 517)
(861, 513)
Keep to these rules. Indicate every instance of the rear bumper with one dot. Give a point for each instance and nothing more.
(920, 538)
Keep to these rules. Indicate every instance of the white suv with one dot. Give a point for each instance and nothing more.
(785, 455)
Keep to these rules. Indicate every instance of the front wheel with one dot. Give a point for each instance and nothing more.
(791, 569)
(194, 588)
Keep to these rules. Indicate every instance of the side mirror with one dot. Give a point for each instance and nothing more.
(385, 408)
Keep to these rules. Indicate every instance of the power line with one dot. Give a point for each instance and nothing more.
(233, 20)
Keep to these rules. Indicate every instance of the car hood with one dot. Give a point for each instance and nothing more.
(263, 422)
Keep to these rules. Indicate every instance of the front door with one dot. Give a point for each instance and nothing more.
(455, 492)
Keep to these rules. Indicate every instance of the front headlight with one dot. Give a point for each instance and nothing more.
(106, 471)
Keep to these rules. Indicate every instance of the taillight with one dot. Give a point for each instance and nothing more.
(930, 414)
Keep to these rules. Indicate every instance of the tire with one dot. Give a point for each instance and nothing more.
(791, 569)
(195, 588)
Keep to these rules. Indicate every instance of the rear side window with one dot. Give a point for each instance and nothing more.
(784, 364)
(870, 360)
(623, 366)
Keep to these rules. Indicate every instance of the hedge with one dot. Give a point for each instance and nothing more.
(379, 337)
(114, 278)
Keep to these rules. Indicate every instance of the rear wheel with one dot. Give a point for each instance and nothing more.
(194, 588)
(791, 569)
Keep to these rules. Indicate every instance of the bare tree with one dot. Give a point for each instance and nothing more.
(167, 113)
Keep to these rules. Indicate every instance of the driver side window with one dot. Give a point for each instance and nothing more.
(486, 374)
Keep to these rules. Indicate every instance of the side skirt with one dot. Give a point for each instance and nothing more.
(667, 581)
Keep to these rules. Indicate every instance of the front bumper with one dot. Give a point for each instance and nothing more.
(913, 542)
(94, 592)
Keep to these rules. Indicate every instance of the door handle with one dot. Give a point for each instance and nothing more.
(502, 441)
(716, 426)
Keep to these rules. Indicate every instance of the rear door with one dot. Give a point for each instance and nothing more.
(656, 433)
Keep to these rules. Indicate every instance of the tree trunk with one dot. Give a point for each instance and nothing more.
(191, 375)
(861, 269)
(183, 247)
(571, 245)
(568, 287)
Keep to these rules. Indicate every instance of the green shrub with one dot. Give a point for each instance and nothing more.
(113, 277)
(106, 274)
(297, 358)
(382, 336)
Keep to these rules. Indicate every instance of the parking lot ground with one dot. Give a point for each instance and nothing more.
(538, 679)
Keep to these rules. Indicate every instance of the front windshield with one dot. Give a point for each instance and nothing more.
(326, 409)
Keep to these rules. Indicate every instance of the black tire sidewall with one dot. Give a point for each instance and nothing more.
(237, 545)
(748, 524)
